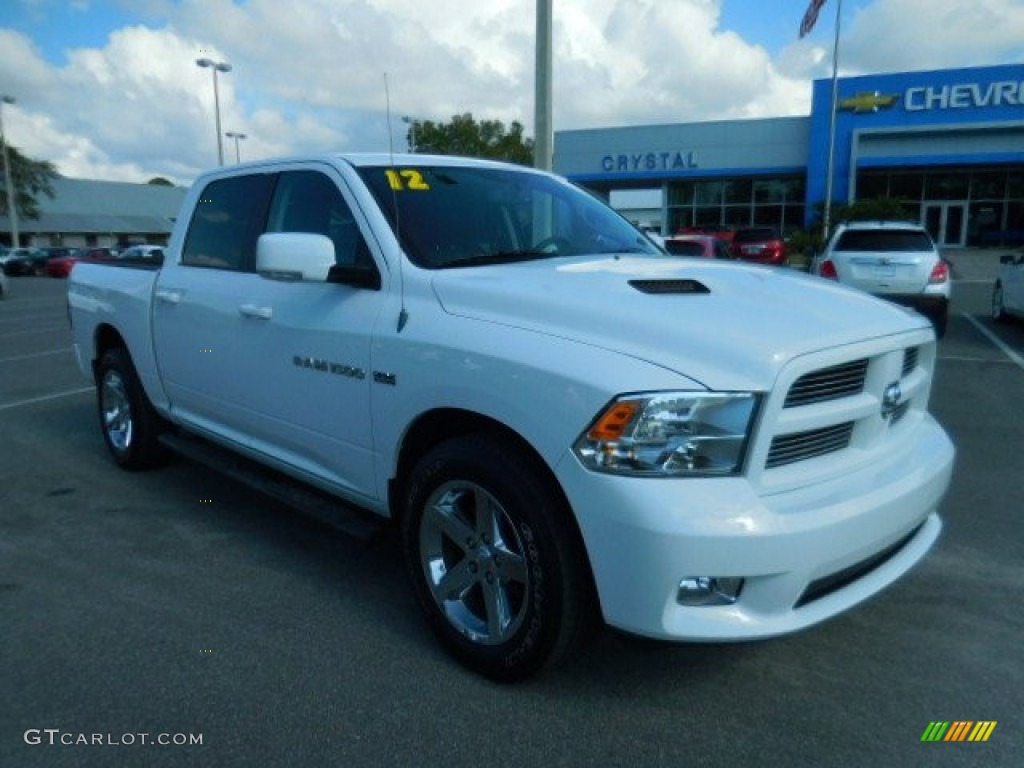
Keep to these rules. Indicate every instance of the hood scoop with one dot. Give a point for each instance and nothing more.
(670, 286)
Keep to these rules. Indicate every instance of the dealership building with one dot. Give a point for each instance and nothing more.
(949, 143)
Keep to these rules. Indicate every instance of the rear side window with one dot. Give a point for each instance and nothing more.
(884, 240)
(227, 222)
(684, 248)
(755, 235)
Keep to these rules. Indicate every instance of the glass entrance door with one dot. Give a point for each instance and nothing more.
(946, 222)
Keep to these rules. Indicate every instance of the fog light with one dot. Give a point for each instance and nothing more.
(708, 590)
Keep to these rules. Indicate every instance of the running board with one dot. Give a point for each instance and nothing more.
(303, 498)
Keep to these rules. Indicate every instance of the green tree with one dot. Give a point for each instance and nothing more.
(30, 178)
(465, 136)
(160, 181)
(873, 209)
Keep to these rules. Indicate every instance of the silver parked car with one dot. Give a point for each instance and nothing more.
(893, 260)
(1008, 292)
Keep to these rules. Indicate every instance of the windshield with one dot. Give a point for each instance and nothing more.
(464, 216)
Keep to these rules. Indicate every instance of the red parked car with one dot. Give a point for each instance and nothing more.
(61, 266)
(707, 246)
(761, 244)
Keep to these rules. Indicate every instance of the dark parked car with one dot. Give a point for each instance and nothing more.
(760, 244)
(25, 261)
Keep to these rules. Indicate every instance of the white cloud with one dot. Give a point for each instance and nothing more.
(309, 74)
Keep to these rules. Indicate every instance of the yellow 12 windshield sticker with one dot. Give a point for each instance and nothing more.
(407, 178)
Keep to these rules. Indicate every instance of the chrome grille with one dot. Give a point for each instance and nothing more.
(828, 384)
(900, 412)
(798, 446)
(909, 361)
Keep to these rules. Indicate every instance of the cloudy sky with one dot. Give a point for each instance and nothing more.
(109, 89)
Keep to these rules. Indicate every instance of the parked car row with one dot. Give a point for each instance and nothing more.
(763, 245)
(58, 261)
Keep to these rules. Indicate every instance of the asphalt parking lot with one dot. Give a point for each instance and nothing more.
(177, 604)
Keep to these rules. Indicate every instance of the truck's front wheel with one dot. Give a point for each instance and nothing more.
(497, 565)
(130, 426)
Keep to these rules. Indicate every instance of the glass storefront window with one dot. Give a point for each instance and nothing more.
(737, 216)
(945, 186)
(768, 216)
(680, 193)
(704, 215)
(708, 192)
(909, 186)
(769, 191)
(984, 220)
(1015, 183)
(738, 191)
(870, 186)
(988, 186)
(679, 218)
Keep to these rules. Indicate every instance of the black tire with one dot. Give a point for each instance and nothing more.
(479, 514)
(130, 425)
(940, 321)
(998, 307)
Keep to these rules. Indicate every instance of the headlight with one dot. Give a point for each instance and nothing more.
(670, 434)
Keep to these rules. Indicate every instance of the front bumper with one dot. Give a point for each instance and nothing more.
(805, 553)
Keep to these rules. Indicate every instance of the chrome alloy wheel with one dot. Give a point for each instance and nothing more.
(116, 411)
(474, 562)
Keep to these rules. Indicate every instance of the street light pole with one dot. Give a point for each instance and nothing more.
(542, 130)
(12, 210)
(217, 66)
(236, 136)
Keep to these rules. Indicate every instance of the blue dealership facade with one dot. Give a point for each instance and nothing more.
(949, 143)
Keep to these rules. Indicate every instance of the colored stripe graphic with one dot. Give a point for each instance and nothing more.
(959, 730)
(982, 730)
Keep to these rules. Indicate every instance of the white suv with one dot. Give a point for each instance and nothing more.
(893, 260)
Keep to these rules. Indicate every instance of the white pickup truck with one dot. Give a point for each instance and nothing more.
(563, 423)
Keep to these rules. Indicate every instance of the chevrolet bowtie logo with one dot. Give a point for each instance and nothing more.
(868, 102)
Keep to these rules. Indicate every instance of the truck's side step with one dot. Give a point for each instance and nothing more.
(349, 519)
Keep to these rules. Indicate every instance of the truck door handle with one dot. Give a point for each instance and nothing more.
(168, 295)
(252, 310)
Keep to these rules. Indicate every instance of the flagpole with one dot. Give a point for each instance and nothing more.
(826, 224)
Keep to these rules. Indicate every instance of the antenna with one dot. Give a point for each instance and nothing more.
(403, 316)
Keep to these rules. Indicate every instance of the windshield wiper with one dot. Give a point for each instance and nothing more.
(499, 257)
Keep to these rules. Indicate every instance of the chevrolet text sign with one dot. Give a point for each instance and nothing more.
(965, 96)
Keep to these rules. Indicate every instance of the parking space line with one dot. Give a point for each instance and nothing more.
(1002, 345)
(44, 398)
(35, 354)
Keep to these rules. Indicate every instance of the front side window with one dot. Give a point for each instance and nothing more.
(308, 201)
(227, 221)
(447, 216)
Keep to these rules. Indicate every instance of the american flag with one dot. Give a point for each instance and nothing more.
(811, 17)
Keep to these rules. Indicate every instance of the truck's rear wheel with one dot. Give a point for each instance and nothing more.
(130, 425)
(497, 566)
